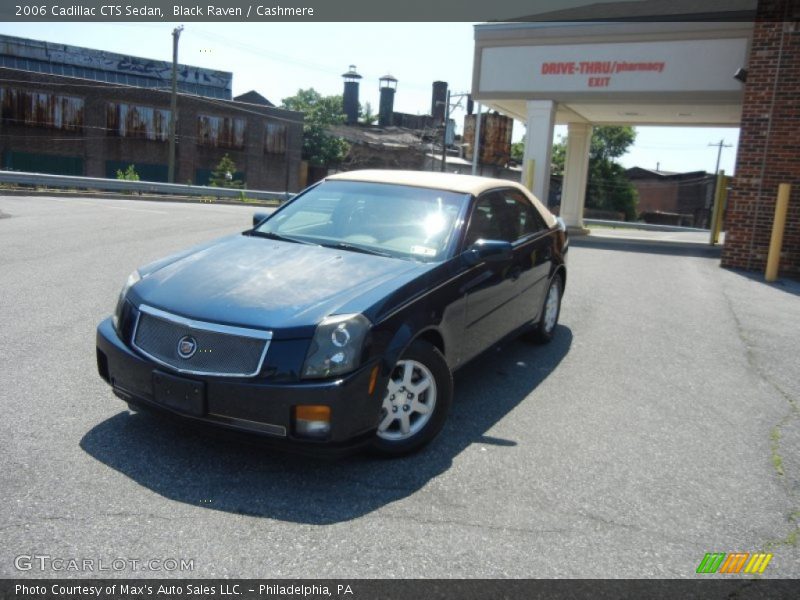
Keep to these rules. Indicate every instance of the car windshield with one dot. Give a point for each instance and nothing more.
(379, 218)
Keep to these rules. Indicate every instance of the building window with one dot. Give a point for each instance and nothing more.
(220, 132)
(41, 109)
(133, 121)
(275, 138)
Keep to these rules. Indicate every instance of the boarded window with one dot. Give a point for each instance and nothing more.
(220, 132)
(130, 120)
(275, 138)
(41, 109)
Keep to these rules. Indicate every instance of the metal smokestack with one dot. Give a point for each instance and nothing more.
(388, 86)
(350, 99)
(438, 101)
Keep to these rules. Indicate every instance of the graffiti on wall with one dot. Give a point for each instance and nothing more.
(88, 58)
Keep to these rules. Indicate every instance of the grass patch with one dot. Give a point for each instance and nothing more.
(777, 460)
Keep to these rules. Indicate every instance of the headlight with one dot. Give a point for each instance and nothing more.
(336, 347)
(132, 279)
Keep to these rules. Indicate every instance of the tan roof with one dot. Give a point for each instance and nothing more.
(465, 184)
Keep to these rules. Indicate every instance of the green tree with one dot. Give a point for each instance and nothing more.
(366, 115)
(608, 187)
(319, 147)
(558, 157)
(128, 174)
(224, 173)
(518, 151)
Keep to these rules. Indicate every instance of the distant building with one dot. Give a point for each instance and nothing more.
(687, 196)
(253, 97)
(109, 67)
(77, 111)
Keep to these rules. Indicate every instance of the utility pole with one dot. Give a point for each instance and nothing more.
(719, 180)
(448, 109)
(444, 132)
(720, 145)
(476, 142)
(176, 34)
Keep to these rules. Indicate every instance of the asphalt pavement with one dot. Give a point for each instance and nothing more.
(661, 424)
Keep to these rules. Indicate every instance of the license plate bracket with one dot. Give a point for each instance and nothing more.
(180, 394)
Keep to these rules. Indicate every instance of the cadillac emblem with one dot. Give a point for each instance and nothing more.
(187, 346)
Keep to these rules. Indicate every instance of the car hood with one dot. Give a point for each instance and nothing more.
(262, 283)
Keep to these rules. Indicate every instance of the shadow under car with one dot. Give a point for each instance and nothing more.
(228, 474)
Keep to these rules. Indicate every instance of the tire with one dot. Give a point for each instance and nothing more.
(544, 330)
(405, 426)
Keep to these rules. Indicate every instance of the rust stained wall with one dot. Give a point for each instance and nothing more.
(41, 109)
(220, 132)
(95, 148)
(496, 133)
(275, 138)
(132, 120)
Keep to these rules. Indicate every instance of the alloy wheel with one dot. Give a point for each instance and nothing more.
(409, 401)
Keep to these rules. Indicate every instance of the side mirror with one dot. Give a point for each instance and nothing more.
(489, 251)
(258, 218)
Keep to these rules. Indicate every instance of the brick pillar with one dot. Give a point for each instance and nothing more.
(769, 144)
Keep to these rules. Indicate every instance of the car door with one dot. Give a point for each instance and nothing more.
(532, 261)
(489, 287)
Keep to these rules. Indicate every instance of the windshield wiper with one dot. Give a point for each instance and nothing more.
(354, 248)
(271, 235)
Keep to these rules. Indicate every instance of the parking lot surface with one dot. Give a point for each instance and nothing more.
(661, 424)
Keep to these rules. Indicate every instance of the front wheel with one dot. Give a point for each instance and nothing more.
(416, 401)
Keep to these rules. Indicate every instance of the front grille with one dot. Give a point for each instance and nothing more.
(208, 349)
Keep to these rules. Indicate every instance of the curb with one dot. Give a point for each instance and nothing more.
(637, 244)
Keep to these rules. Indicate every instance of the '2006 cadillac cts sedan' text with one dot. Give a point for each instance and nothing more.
(337, 320)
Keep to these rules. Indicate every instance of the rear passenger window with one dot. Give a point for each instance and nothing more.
(530, 221)
(503, 215)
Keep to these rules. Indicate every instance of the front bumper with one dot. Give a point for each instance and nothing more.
(249, 405)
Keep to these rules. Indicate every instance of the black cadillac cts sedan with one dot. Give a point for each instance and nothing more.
(337, 320)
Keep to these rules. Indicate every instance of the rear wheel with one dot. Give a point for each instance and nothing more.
(416, 401)
(545, 328)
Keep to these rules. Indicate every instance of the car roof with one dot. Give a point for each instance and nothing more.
(465, 184)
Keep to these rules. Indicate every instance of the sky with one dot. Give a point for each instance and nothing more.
(277, 59)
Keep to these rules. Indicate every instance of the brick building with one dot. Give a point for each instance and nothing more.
(77, 111)
(686, 196)
(736, 64)
(769, 142)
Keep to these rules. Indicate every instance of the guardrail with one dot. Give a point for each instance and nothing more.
(148, 187)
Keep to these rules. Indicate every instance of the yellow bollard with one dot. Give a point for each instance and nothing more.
(530, 173)
(778, 225)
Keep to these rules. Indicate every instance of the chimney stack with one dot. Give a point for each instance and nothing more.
(438, 101)
(350, 99)
(388, 86)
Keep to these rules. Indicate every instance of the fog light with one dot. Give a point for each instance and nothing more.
(312, 421)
